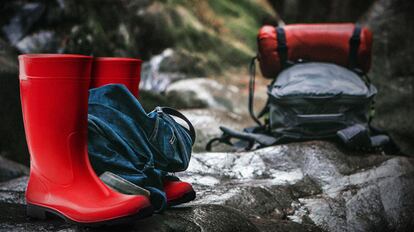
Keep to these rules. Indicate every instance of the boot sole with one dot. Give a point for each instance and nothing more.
(187, 197)
(43, 213)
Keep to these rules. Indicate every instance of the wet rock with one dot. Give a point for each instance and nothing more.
(42, 41)
(266, 225)
(20, 24)
(10, 169)
(207, 218)
(203, 93)
(312, 186)
(154, 78)
(192, 218)
(12, 191)
(182, 61)
(188, 218)
(312, 183)
(169, 66)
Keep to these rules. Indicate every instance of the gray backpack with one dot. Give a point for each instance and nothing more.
(309, 101)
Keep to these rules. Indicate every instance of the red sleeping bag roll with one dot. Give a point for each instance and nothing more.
(344, 44)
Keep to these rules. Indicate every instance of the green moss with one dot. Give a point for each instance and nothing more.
(242, 17)
(223, 32)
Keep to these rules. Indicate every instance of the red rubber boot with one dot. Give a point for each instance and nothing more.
(127, 71)
(178, 192)
(117, 70)
(54, 96)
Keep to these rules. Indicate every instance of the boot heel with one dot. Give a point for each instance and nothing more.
(35, 212)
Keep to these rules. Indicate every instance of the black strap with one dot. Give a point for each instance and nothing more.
(224, 138)
(282, 48)
(252, 140)
(356, 137)
(178, 114)
(252, 72)
(354, 43)
(282, 51)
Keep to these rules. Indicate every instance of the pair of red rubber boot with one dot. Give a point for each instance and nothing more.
(54, 98)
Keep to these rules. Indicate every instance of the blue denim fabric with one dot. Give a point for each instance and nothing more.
(137, 146)
(170, 142)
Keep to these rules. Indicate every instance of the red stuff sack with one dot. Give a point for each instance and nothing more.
(345, 44)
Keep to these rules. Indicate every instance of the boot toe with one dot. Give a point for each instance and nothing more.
(177, 189)
(127, 205)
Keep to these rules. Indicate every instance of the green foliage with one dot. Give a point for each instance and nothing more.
(223, 33)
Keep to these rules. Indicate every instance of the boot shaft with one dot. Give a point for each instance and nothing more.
(54, 96)
(116, 70)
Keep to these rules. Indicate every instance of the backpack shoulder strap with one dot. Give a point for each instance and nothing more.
(282, 50)
(252, 86)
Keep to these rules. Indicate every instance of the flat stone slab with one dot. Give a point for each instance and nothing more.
(10, 169)
(194, 218)
(312, 186)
